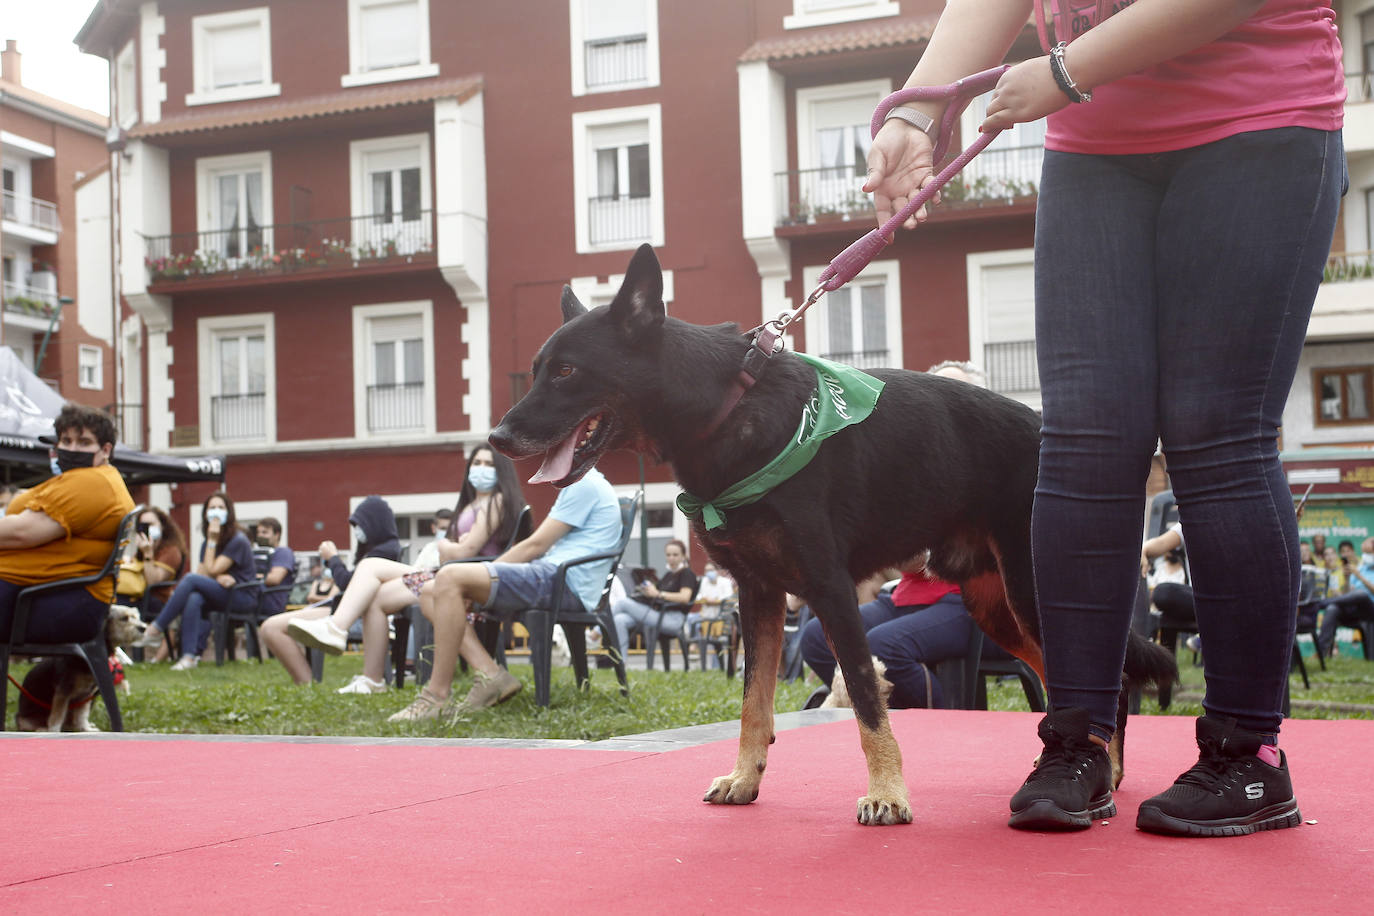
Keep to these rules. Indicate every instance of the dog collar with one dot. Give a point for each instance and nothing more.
(761, 347)
(843, 396)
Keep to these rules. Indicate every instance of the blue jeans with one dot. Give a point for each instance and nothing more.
(631, 615)
(193, 596)
(1172, 294)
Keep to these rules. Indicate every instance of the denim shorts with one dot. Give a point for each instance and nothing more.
(517, 586)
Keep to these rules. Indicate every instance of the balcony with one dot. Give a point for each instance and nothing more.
(618, 219)
(997, 179)
(29, 306)
(30, 218)
(397, 407)
(616, 61)
(1358, 133)
(1344, 307)
(238, 417)
(378, 243)
(1011, 367)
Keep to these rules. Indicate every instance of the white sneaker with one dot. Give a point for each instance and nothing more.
(186, 663)
(361, 683)
(318, 634)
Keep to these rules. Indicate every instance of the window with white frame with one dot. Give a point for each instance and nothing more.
(126, 86)
(394, 368)
(391, 196)
(808, 13)
(832, 147)
(614, 44)
(235, 205)
(1001, 314)
(237, 378)
(859, 324)
(388, 40)
(617, 171)
(90, 366)
(1009, 167)
(232, 56)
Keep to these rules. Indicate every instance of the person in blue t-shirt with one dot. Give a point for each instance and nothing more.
(226, 559)
(279, 567)
(585, 519)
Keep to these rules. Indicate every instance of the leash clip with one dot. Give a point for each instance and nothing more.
(780, 323)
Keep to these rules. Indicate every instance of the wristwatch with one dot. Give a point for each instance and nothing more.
(922, 122)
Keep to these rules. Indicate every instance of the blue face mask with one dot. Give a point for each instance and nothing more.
(56, 468)
(482, 477)
(217, 515)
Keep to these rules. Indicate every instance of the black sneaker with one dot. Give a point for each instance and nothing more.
(1228, 792)
(1072, 784)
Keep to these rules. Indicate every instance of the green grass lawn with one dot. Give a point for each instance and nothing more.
(247, 698)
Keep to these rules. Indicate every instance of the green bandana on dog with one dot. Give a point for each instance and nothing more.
(843, 396)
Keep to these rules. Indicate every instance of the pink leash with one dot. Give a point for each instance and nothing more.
(855, 258)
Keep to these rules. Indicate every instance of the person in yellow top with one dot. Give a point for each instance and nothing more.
(66, 527)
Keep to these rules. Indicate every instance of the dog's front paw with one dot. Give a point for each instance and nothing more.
(732, 790)
(876, 811)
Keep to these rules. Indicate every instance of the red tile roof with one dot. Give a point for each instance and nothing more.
(886, 33)
(390, 95)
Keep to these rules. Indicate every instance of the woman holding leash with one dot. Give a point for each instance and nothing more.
(1192, 174)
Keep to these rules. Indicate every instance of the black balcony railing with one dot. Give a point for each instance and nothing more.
(612, 61)
(1011, 366)
(238, 416)
(283, 248)
(617, 219)
(996, 178)
(861, 359)
(391, 408)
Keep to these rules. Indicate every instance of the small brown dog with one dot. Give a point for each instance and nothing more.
(57, 692)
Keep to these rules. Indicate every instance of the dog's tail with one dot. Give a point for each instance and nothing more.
(1148, 664)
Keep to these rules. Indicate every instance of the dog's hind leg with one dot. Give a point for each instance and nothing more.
(761, 617)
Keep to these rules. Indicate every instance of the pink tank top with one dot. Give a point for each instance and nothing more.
(1279, 68)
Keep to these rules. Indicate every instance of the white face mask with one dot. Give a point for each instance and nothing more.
(217, 515)
(154, 533)
(482, 477)
(1366, 559)
(359, 534)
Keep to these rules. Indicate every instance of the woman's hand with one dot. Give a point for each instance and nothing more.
(899, 165)
(328, 551)
(225, 580)
(1026, 92)
(145, 545)
(212, 528)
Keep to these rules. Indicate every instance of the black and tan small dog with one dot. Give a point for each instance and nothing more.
(938, 465)
(58, 691)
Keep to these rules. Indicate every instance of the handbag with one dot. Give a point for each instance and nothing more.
(131, 582)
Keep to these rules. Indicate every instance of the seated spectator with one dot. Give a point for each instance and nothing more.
(714, 590)
(662, 600)
(63, 528)
(280, 566)
(374, 528)
(429, 556)
(489, 506)
(226, 559)
(585, 519)
(158, 562)
(1305, 554)
(1355, 606)
(322, 584)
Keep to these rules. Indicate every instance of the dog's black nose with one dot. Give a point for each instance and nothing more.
(501, 439)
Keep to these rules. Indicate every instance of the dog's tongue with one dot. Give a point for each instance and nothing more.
(558, 461)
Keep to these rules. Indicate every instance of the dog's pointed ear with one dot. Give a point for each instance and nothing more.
(571, 307)
(638, 306)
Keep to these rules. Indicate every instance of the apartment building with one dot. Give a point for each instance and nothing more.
(59, 323)
(342, 225)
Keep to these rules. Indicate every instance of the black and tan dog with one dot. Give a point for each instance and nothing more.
(939, 465)
(58, 691)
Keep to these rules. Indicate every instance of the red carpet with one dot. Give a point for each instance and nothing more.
(153, 825)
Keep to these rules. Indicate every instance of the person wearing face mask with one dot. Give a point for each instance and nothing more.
(489, 505)
(1356, 605)
(63, 528)
(373, 528)
(226, 559)
(668, 600)
(714, 590)
(158, 561)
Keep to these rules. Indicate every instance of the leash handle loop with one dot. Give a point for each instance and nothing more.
(848, 263)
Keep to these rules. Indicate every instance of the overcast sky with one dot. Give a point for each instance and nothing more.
(51, 63)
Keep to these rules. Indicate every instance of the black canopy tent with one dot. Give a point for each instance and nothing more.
(27, 409)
